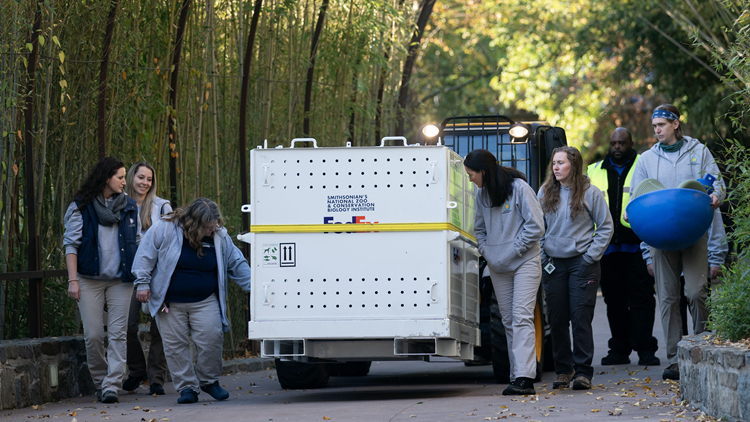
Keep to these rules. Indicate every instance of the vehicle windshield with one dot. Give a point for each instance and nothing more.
(508, 154)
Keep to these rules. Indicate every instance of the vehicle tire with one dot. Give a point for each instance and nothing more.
(543, 337)
(500, 358)
(349, 369)
(301, 375)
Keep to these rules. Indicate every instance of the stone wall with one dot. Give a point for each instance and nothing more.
(25, 369)
(715, 378)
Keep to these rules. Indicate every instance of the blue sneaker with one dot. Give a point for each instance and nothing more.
(216, 391)
(187, 396)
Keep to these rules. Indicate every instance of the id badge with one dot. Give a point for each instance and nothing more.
(549, 267)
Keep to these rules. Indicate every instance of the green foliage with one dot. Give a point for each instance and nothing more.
(730, 302)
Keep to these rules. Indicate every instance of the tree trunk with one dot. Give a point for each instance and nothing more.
(33, 249)
(311, 67)
(243, 117)
(172, 115)
(411, 56)
(103, 70)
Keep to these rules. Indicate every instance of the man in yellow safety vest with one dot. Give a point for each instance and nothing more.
(627, 287)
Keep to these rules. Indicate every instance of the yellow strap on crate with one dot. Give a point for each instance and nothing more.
(360, 227)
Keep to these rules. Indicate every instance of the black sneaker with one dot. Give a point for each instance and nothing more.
(157, 389)
(216, 391)
(99, 395)
(131, 383)
(615, 358)
(581, 383)
(672, 372)
(187, 396)
(110, 396)
(648, 359)
(520, 386)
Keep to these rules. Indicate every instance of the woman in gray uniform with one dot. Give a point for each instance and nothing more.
(182, 269)
(579, 227)
(141, 186)
(508, 226)
(102, 230)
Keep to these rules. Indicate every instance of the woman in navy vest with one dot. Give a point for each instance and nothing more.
(182, 270)
(141, 186)
(102, 230)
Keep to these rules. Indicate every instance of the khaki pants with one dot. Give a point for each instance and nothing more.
(516, 296)
(668, 265)
(157, 363)
(201, 321)
(107, 370)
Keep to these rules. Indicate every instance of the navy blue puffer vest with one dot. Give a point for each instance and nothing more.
(88, 253)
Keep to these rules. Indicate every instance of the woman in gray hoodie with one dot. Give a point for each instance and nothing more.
(508, 225)
(672, 160)
(579, 227)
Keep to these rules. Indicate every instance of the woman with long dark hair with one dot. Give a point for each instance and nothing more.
(141, 186)
(182, 270)
(508, 226)
(579, 227)
(102, 230)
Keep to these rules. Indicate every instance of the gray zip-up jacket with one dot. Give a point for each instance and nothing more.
(693, 162)
(588, 234)
(157, 258)
(509, 235)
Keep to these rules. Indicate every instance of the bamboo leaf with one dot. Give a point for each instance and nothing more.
(30, 46)
(41, 40)
(61, 55)
(55, 40)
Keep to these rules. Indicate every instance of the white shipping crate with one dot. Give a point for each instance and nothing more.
(362, 252)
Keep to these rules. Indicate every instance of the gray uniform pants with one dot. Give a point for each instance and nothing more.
(107, 370)
(201, 321)
(668, 265)
(157, 362)
(571, 297)
(516, 296)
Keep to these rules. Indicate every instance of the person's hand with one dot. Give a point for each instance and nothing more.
(715, 202)
(143, 296)
(625, 216)
(715, 272)
(650, 268)
(74, 290)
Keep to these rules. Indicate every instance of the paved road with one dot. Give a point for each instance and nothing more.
(403, 391)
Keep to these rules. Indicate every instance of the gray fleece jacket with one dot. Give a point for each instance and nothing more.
(588, 234)
(159, 207)
(157, 258)
(509, 235)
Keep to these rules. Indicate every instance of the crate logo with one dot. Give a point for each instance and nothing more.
(349, 203)
(356, 219)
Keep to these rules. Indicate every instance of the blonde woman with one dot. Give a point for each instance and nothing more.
(182, 269)
(579, 227)
(141, 186)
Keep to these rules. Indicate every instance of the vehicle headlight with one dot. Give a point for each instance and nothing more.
(430, 131)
